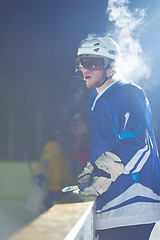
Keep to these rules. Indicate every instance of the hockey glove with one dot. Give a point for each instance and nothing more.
(98, 176)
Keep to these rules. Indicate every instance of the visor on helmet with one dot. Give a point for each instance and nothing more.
(91, 63)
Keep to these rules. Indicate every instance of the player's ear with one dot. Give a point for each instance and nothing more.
(111, 68)
(109, 72)
(112, 64)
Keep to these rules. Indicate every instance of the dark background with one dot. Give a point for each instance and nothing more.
(38, 84)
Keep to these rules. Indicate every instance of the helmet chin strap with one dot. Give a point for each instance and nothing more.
(106, 78)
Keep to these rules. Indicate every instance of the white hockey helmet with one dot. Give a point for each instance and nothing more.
(103, 47)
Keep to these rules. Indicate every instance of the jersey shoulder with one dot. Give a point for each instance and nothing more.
(125, 90)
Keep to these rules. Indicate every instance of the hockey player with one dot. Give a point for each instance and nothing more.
(124, 168)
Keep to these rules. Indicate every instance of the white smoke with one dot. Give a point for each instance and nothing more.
(128, 25)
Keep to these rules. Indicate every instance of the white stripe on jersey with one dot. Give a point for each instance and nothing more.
(136, 189)
(147, 150)
(132, 214)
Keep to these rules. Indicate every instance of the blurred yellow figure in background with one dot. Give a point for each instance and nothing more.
(52, 173)
(54, 166)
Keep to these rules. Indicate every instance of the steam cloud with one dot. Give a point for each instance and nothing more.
(132, 64)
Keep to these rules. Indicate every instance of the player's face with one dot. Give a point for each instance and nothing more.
(93, 71)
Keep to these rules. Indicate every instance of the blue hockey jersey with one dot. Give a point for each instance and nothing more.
(120, 122)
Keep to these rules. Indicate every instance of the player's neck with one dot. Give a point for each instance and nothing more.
(105, 85)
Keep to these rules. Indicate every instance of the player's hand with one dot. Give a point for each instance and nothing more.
(85, 178)
(103, 172)
(98, 187)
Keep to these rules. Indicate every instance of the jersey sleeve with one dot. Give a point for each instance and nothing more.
(133, 130)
